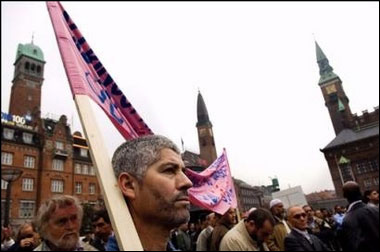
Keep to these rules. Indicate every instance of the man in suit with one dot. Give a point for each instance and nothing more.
(360, 229)
(299, 239)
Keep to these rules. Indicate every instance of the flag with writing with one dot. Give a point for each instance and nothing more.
(88, 76)
(213, 188)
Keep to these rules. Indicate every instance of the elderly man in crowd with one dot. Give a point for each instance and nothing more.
(58, 222)
(250, 233)
(281, 227)
(150, 174)
(299, 239)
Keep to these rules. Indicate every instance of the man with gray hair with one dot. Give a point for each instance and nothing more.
(58, 222)
(150, 174)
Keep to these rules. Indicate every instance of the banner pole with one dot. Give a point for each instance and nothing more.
(121, 219)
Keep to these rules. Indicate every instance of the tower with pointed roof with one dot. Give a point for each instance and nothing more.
(27, 81)
(205, 134)
(354, 153)
(336, 100)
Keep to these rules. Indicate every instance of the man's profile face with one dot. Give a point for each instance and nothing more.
(230, 216)
(162, 195)
(278, 210)
(374, 197)
(63, 227)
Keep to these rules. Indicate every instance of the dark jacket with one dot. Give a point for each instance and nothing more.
(297, 242)
(360, 229)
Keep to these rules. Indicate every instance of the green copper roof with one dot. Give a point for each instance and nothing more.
(320, 54)
(340, 106)
(344, 160)
(325, 70)
(31, 51)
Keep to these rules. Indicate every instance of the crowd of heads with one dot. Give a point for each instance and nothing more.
(151, 176)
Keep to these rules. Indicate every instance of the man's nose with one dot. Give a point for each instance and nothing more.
(184, 182)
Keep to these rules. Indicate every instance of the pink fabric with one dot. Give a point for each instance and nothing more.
(87, 75)
(213, 189)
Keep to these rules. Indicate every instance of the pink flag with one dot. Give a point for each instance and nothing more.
(213, 188)
(87, 75)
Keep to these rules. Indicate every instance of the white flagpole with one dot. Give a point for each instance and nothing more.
(122, 223)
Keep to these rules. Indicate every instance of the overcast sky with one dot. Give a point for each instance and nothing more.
(254, 63)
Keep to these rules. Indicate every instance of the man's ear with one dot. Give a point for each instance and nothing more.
(128, 185)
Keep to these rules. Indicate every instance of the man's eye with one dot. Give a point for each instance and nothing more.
(169, 170)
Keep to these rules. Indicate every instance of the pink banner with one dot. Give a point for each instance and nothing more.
(213, 189)
(87, 75)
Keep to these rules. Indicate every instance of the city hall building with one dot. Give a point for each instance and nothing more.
(52, 160)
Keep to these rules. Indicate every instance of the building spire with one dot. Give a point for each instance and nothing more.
(202, 113)
(325, 70)
(33, 38)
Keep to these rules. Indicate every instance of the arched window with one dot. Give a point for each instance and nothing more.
(33, 67)
(38, 69)
(27, 65)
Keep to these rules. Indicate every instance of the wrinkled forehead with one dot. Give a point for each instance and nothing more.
(65, 211)
(169, 156)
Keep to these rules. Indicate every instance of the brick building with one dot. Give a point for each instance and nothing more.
(53, 160)
(354, 153)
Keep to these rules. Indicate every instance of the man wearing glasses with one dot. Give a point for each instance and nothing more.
(299, 239)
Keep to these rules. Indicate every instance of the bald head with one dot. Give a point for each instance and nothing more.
(351, 191)
(297, 217)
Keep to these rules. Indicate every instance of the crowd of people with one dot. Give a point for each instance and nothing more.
(150, 174)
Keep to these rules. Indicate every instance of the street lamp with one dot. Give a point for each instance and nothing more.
(9, 175)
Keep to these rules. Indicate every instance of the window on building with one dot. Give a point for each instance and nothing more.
(58, 164)
(373, 165)
(8, 133)
(85, 169)
(29, 161)
(361, 167)
(59, 145)
(6, 158)
(367, 183)
(84, 152)
(92, 188)
(376, 181)
(27, 208)
(4, 185)
(38, 69)
(27, 138)
(27, 184)
(33, 67)
(27, 65)
(78, 168)
(78, 187)
(346, 172)
(92, 170)
(57, 186)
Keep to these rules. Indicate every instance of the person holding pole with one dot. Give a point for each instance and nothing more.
(150, 175)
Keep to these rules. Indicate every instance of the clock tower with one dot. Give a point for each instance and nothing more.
(27, 81)
(336, 100)
(205, 135)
